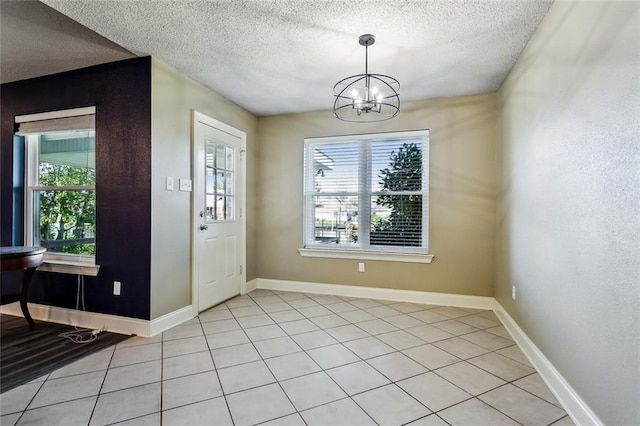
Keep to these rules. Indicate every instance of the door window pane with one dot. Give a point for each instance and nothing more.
(219, 185)
(229, 154)
(210, 180)
(220, 208)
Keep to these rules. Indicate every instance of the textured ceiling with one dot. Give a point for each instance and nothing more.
(274, 57)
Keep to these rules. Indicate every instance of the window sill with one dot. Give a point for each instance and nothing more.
(366, 255)
(76, 265)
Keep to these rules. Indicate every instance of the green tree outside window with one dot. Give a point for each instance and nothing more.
(403, 227)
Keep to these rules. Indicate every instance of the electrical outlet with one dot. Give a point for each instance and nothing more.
(184, 184)
(116, 288)
(361, 267)
(513, 292)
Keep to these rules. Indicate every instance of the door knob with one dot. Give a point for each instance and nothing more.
(204, 227)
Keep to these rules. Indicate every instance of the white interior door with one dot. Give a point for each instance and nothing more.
(219, 237)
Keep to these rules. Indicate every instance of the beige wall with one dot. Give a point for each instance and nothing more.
(173, 98)
(462, 198)
(569, 215)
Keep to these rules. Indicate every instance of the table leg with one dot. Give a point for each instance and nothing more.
(24, 292)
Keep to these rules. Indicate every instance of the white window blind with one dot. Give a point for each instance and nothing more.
(56, 121)
(367, 192)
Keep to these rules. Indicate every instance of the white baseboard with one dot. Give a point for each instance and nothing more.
(84, 319)
(167, 321)
(463, 301)
(251, 285)
(93, 320)
(577, 409)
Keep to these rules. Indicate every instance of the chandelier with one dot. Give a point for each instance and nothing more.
(366, 97)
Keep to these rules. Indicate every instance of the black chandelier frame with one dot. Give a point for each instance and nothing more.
(381, 98)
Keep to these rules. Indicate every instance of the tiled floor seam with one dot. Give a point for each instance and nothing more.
(531, 393)
(213, 361)
(349, 397)
(435, 371)
(495, 408)
(104, 379)
(30, 401)
(162, 375)
(270, 372)
(321, 369)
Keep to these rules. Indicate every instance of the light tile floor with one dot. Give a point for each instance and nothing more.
(284, 358)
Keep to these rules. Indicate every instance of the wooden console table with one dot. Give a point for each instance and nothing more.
(15, 258)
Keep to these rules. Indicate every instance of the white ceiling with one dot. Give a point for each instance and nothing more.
(279, 56)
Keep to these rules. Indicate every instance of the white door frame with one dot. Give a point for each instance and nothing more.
(199, 117)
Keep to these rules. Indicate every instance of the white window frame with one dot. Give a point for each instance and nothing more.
(365, 251)
(30, 127)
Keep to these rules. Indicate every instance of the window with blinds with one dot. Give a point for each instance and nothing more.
(367, 192)
(60, 204)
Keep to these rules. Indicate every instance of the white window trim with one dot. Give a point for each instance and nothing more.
(69, 263)
(320, 251)
(51, 115)
(53, 262)
(366, 255)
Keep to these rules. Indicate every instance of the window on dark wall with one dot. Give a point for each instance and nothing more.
(60, 178)
(367, 193)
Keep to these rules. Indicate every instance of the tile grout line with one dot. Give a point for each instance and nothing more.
(161, 377)
(305, 352)
(395, 349)
(104, 379)
(322, 369)
(213, 361)
(26, 408)
(435, 372)
(267, 365)
(398, 350)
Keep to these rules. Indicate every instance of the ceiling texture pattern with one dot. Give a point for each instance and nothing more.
(280, 56)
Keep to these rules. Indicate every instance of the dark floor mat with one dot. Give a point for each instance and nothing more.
(27, 353)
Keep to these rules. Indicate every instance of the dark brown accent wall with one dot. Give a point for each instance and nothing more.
(121, 92)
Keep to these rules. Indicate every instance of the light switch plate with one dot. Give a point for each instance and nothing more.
(169, 183)
(185, 185)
